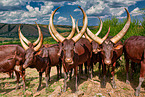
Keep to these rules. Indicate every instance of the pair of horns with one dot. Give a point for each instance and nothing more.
(60, 37)
(39, 41)
(116, 38)
(100, 29)
(70, 35)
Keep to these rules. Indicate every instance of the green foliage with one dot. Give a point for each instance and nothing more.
(116, 26)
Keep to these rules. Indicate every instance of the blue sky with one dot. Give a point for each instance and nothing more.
(29, 11)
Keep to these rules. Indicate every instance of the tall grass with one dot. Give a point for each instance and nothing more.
(116, 26)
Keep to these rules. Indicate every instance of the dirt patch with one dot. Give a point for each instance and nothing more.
(87, 88)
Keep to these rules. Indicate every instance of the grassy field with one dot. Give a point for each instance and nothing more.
(88, 88)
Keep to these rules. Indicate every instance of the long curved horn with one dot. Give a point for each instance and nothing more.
(73, 29)
(116, 38)
(94, 37)
(105, 37)
(79, 35)
(41, 41)
(36, 42)
(55, 33)
(101, 25)
(85, 35)
(52, 35)
(22, 42)
(22, 36)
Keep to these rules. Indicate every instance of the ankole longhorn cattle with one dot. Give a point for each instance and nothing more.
(72, 50)
(111, 48)
(95, 46)
(134, 50)
(12, 59)
(40, 58)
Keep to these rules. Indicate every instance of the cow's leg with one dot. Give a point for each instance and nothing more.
(58, 72)
(40, 79)
(18, 78)
(132, 69)
(47, 75)
(89, 64)
(127, 70)
(65, 79)
(100, 69)
(81, 69)
(76, 85)
(70, 74)
(60, 66)
(22, 73)
(141, 79)
(104, 75)
(112, 73)
(86, 71)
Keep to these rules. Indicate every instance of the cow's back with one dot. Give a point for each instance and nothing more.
(134, 48)
(9, 51)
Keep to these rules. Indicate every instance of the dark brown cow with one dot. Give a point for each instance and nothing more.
(111, 49)
(11, 59)
(73, 51)
(51, 52)
(32, 59)
(95, 46)
(134, 50)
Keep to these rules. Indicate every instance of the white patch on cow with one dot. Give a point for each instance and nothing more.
(17, 68)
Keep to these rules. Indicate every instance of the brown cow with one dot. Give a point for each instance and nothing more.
(95, 46)
(134, 50)
(33, 60)
(12, 59)
(73, 51)
(111, 49)
(51, 52)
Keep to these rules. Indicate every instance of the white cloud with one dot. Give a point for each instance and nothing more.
(136, 12)
(30, 8)
(60, 19)
(76, 10)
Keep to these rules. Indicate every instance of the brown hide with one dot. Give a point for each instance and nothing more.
(110, 50)
(78, 46)
(134, 48)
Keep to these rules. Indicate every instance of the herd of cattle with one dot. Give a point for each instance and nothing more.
(72, 52)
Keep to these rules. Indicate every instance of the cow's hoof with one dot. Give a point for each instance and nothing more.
(127, 81)
(114, 87)
(137, 93)
(17, 87)
(63, 90)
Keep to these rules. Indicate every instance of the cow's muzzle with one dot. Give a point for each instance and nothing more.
(107, 61)
(95, 51)
(69, 60)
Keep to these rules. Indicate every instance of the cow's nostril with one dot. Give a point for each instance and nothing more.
(68, 60)
(107, 62)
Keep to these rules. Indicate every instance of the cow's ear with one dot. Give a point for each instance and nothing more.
(118, 47)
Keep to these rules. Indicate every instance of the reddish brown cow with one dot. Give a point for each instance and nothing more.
(95, 46)
(11, 59)
(33, 60)
(41, 59)
(111, 49)
(134, 50)
(73, 51)
(51, 52)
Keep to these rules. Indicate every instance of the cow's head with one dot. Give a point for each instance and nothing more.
(31, 49)
(108, 45)
(95, 45)
(67, 45)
